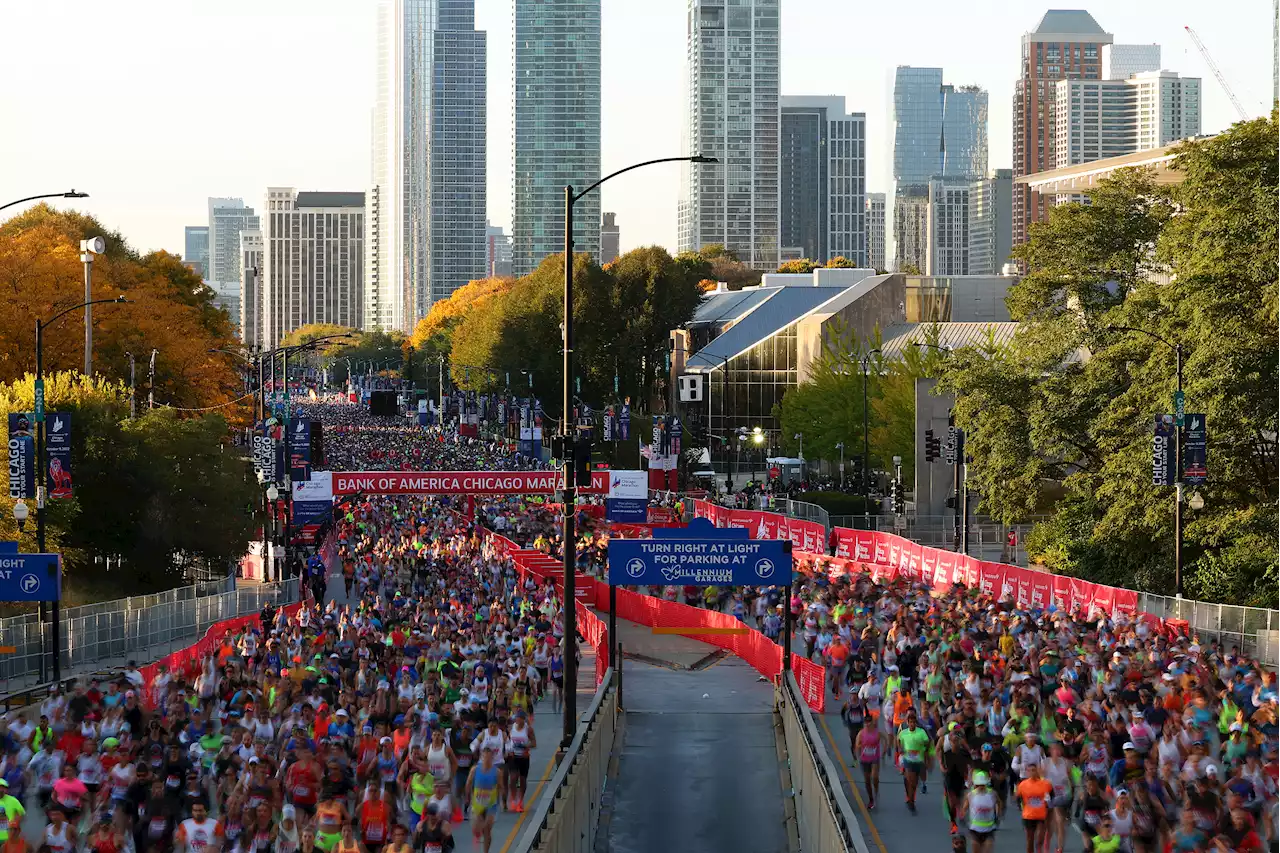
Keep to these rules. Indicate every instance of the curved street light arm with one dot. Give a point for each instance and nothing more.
(1152, 335)
(697, 158)
(68, 194)
(47, 323)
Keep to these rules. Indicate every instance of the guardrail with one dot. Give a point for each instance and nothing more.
(566, 815)
(141, 628)
(824, 817)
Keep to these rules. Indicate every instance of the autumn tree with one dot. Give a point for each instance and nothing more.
(169, 309)
(802, 266)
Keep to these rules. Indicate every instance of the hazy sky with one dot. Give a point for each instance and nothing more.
(154, 105)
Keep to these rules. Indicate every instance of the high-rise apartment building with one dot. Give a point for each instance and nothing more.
(1122, 61)
(497, 252)
(990, 223)
(227, 218)
(610, 238)
(947, 238)
(557, 127)
(251, 274)
(195, 247)
(1108, 118)
(823, 180)
(876, 231)
(426, 202)
(733, 79)
(313, 261)
(1066, 44)
(940, 133)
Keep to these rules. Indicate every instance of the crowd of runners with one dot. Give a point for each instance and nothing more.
(1102, 726)
(396, 717)
(400, 715)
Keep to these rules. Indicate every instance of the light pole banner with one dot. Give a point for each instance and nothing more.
(57, 441)
(1162, 459)
(1195, 450)
(22, 456)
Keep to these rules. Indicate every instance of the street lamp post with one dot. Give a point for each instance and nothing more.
(89, 248)
(840, 447)
(866, 439)
(42, 470)
(570, 446)
(1178, 485)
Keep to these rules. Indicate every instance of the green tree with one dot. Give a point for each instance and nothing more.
(163, 493)
(1071, 400)
(840, 262)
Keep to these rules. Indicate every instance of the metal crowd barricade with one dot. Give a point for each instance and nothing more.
(1256, 630)
(141, 628)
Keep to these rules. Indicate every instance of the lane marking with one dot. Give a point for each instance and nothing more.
(515, 829)
(857, 795)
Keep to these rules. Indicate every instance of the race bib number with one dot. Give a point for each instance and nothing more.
(374, 833)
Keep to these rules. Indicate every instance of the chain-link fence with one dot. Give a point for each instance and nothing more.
(141, 628)
(1255, 630)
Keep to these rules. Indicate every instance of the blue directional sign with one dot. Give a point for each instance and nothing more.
(700, 555)
(30, 577)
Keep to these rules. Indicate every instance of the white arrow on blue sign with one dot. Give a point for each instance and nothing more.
(30, 577)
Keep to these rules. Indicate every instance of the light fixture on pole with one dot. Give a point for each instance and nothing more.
(20, 514)
(272, 492)
(567, 448)
(89, 248)
(1196, 501)
(840, 447)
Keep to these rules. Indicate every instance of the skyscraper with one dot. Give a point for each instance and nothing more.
(733, 80)
(227, 218)
(426, 203)
(875, 230)
(196, 246)
(940, 133)
(312, 261)
(498, 252)
(1095, 119)
(557, 127)
(1066, 44)
(251, 274)
(610, 238)
(990, 222)
(823, 178)
(1122, 61)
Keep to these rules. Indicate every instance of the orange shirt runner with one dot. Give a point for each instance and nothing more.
(1035, 798)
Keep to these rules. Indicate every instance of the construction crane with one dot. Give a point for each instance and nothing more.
(1213, 66)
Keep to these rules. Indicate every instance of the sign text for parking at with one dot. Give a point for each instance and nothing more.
(743, 562)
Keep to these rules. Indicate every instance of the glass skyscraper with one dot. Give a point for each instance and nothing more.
(426, 206)
(823, 180)
(733, 114)
(940, 132)
(557, 127)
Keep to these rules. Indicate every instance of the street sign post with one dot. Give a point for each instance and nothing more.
(39, 407)
(1179, 407)
(30, 577)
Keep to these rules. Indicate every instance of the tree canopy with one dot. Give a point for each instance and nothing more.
(1072, 399)
(623, 315)
(160, 494)
(169, 309)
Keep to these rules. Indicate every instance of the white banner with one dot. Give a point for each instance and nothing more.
(318, 488)
(628, 484)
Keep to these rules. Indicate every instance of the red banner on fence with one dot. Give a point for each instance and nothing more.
(460, 482)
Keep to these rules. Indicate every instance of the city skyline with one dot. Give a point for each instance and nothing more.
(151, 184)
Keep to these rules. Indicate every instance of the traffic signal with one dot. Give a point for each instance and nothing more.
(899, 498)
(582, 462)
(932, 447)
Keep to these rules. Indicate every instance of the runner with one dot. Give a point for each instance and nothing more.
(912, 752)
